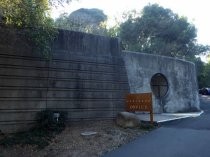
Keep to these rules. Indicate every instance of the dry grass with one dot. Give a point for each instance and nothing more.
(70, 143)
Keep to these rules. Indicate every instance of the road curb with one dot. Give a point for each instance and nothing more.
(180, 116)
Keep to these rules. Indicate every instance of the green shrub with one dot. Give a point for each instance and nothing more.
(41, 135)
(37, 137)
(46, 120)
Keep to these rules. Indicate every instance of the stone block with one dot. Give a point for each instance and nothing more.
(127, 120)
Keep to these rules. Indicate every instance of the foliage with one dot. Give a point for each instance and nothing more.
(57, 3)
(88, 16)
(160, 31)
(31, 16)
(113, 31)
(40, 136)
(199, 65)
(208, 57)
(37, 137)
(83, 20)
(47, 120)
(206, 75)
(25, 13)
(203, 72)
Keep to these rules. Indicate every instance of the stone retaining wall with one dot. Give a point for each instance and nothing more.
(85, 77)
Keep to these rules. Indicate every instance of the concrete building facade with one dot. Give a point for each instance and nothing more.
(172, 81)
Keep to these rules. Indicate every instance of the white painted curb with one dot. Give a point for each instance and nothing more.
(180, 116)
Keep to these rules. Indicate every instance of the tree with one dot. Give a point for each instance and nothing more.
(206, 75)
(113, 31)
(84, 20)
(199, 66)
(160, 31)
(203, 72)
(25, 13)
(31, 16)
(58, 2)
(208, 57)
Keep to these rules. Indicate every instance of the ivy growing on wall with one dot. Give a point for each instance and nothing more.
(31, 16)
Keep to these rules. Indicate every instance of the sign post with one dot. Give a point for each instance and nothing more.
(140, 102)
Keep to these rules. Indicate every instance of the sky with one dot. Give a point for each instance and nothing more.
(195, 10)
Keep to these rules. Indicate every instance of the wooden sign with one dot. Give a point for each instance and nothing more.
(140, 102)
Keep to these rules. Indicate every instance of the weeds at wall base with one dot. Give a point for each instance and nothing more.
(40, 136)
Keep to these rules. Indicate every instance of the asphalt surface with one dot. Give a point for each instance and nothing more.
(188, 137)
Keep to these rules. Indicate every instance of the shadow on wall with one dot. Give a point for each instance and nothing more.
(86, 77)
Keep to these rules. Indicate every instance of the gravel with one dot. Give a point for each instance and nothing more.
(70, 143)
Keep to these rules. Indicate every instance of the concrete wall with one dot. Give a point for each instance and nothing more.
(86, 77)
(182, 94)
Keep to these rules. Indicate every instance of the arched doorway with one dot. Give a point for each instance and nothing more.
(159, 85)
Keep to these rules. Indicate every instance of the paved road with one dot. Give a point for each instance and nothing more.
(181, 138)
